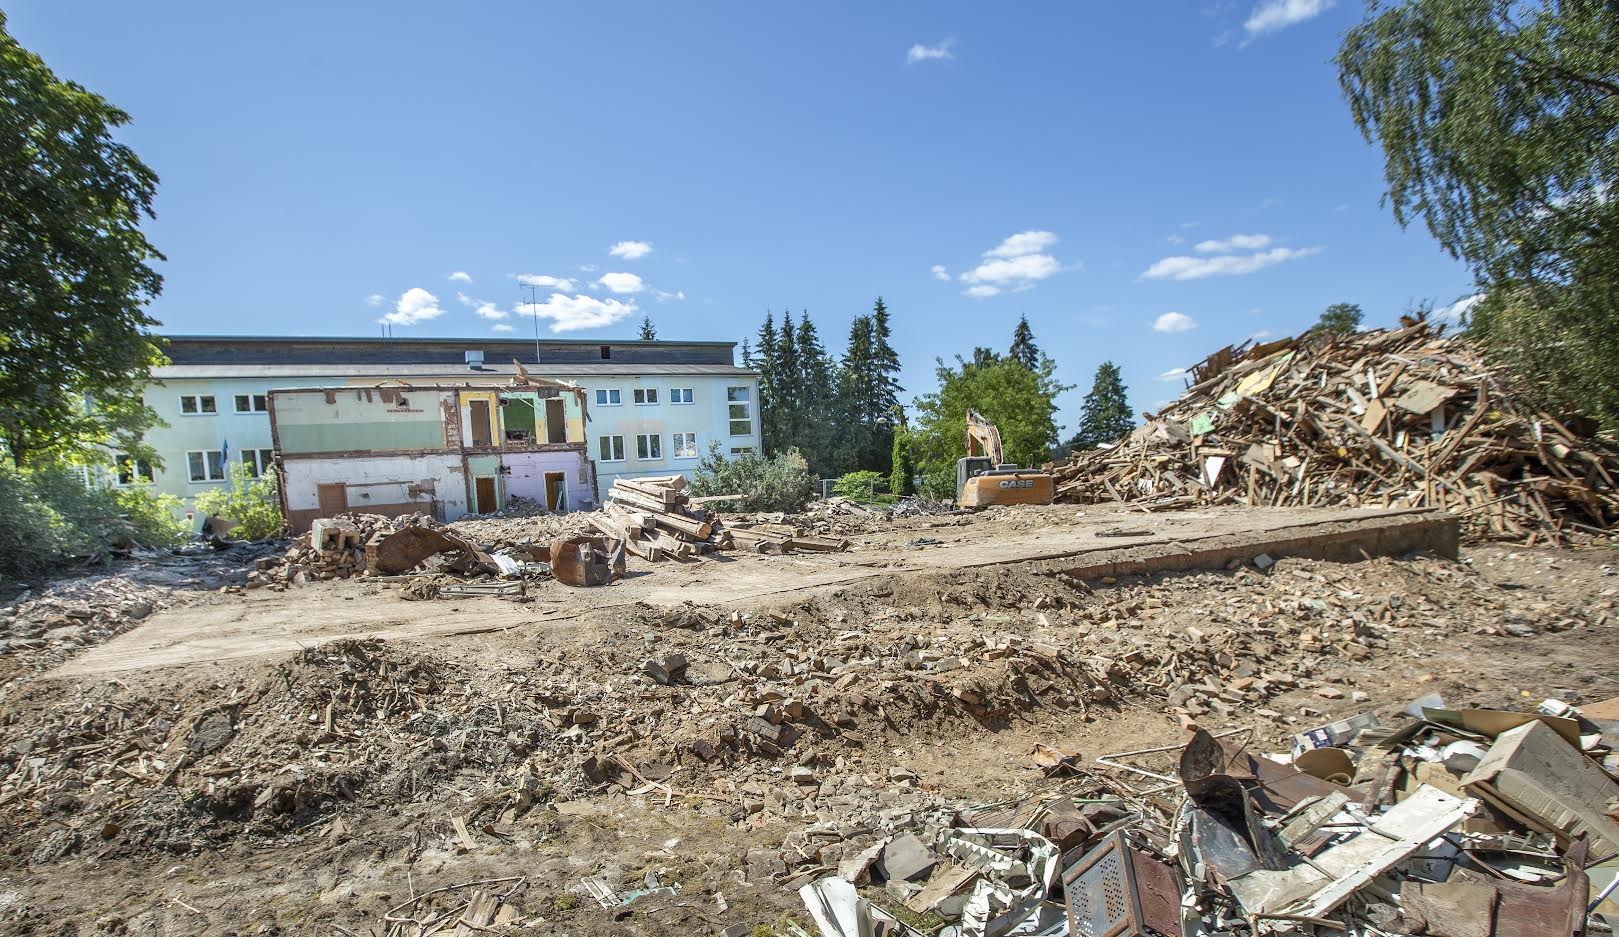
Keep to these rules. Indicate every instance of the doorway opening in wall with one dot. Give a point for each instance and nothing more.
(484, 489)
(556, 491)
(482, 434)
(556, 421)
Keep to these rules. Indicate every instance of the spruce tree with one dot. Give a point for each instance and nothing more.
(648, 333)
(767, 355)
(747, 354)
(1024, 351)
(789, 393)
(885, 389)
(1105, 415)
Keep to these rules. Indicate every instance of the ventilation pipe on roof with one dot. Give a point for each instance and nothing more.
(475, 360)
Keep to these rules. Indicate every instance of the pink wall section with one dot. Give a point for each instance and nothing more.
(527, 477)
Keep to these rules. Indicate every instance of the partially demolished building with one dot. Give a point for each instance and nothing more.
(437, 449)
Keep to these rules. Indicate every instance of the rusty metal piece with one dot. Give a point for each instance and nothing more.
(404, 550)
(1471, 906)
(1117, 891)
(587, 561)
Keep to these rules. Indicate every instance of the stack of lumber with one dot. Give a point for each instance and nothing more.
(1404, 417)
(784, 538)
(654, 516)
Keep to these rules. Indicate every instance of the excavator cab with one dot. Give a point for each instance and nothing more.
(984, 478)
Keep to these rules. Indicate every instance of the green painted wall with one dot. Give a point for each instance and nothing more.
(344, 437)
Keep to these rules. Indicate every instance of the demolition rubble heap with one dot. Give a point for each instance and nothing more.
(1407, 417)
(658, 519)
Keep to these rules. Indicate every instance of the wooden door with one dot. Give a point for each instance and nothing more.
(482, 434)
(485, 488)
(334, 499)
(556, 421)
(555, 483)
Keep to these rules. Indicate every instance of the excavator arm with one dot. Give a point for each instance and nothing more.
(983, 438)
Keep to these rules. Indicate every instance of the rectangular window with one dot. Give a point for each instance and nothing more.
(197, 405)
(608, 398)
(206, 465)
(132, 471)
(684, 445)
(739, 402)
(680, 395)
(646, 396)
(612, 448)
(741, 450)
(649, 447)
(252, 403)
(258, 461)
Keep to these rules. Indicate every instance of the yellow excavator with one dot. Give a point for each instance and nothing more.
(983, 478)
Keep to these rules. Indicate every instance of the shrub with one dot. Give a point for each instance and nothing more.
(858, 486)
(252, 502)
(157, 519)
(49, 519)
(781, 482)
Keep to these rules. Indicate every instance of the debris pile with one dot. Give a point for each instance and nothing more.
(1454, 823)
(334, 548)
(1407, 417)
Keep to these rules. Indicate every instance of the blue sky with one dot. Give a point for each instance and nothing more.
(1146, 182)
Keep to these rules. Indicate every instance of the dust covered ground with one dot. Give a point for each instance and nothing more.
(718, 755)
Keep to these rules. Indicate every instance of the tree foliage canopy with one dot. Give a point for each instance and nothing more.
(1019, 400)
(1024, 351)
(1497, 124)
(1339, 319)
(649, 332)
(74, 267)
(1105, 414)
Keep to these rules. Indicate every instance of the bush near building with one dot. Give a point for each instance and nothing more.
(252, 502)
(781, 482)
(50, 520)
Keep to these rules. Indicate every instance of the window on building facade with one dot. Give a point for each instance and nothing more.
(680, 395)
(646, 395)
(608, 398)
(131, 470)
(197, 405)
(258, 461)
(684, 445)
(741, 450)
(206, 465)
(649, 447)
(612, 449)
(740, 403)
(252, 403)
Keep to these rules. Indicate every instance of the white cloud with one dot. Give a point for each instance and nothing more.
(1271, 15)
(465, 300)
(922, 53)
(1196, 268)
(982, 291)
(630, 250)
(1016, 271)
(500, 327)
(1236, 242)
(564, 284)
(1021, 243)
(1173, 322)
(375, 299)
(460, 276)
(940, 273)
(490, 311)
(622, 283)
(664, 295)
(572, 313)
(415, 305)
(1173, 374)
(1456, 310)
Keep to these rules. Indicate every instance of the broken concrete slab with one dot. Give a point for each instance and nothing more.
(1536, 777)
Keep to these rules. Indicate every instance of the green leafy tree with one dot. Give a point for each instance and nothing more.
(861, 485)
(902, 478)
(251, 501)
(1105, 414)
(75, 275)
(648, 332)
(1021, 401)
(779, 482)
(1496, 122)
(1339, 319)
(1024, 350)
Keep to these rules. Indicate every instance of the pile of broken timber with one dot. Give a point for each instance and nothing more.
(655, 519)
(784, 538)
(1405, 418)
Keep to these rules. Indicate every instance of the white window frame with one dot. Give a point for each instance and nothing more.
(645, 396)
(650, 443)
(206, 466)
(746, 403)
(609, 397)
(261, 462)
(137, 475)
(675, 439)
(196, 402)
(611, 447)
(681, 396)
(253, 401)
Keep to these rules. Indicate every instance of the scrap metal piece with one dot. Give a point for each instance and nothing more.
(587, 561)
(405, 549)
(1116, 891)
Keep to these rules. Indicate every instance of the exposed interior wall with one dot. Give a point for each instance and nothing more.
(372, 419)
(390, 485)
(489, 399)
(527, 476)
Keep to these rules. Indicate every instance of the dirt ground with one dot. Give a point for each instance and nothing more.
(305, 761)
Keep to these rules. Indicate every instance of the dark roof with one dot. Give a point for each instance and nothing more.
(316, 350)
